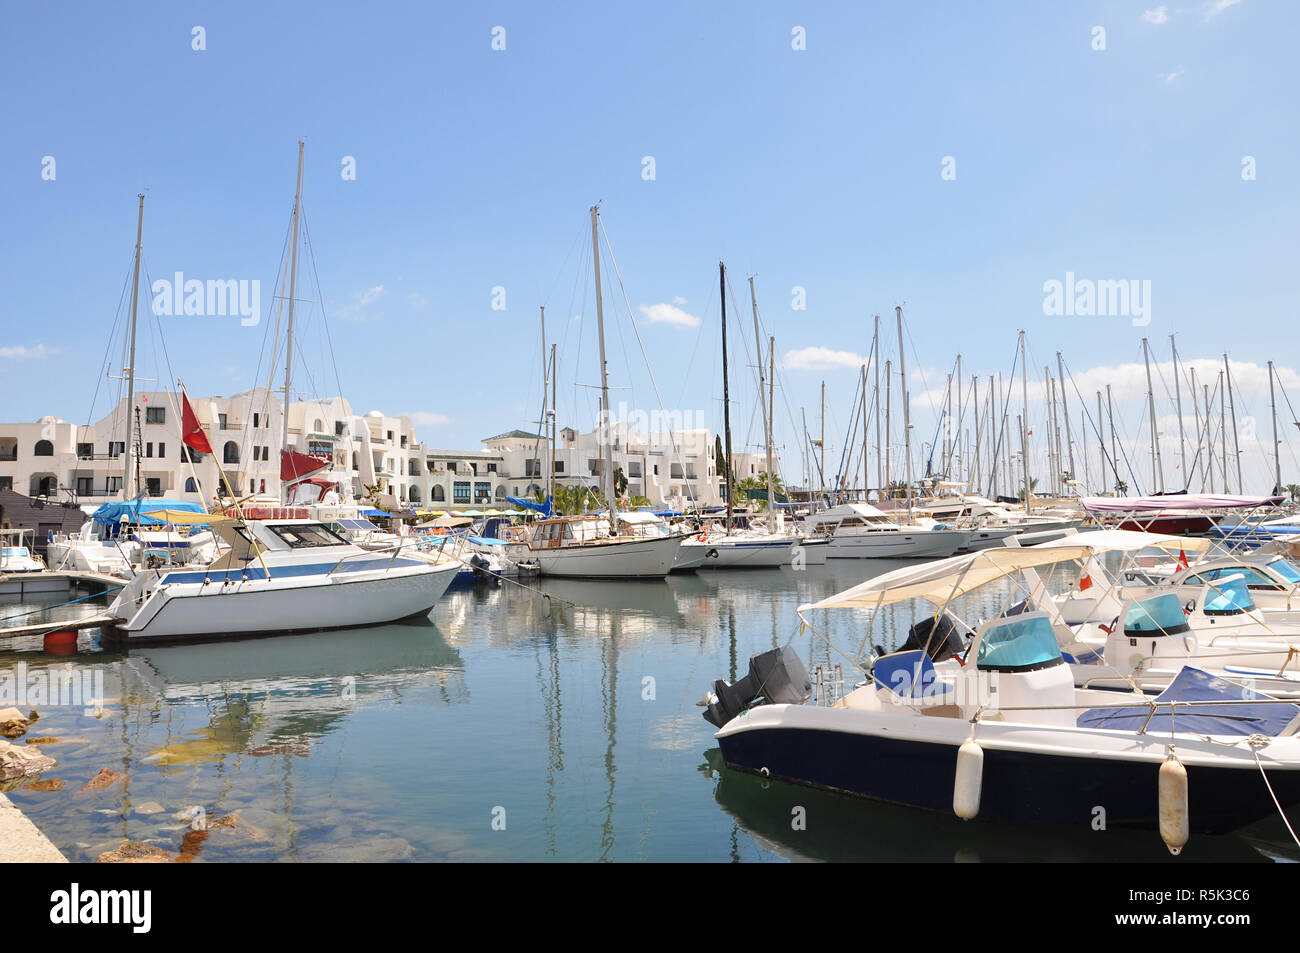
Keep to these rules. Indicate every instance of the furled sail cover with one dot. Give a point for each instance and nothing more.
(1194, 685)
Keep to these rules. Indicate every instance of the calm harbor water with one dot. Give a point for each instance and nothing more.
(500, 729)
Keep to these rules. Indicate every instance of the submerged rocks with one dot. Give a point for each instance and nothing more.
(50, 784)
(21, 762)
(105, 779)
(135, 852)
(13, 724)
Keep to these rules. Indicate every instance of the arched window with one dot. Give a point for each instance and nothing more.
(415, 494)
(318, 426)
(191, 486)
(231, 452)
(439, 494)
(356, 460)
(501, 492)
(44, 448)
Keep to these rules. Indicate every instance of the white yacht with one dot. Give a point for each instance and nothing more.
(860, 531)
(278, 576)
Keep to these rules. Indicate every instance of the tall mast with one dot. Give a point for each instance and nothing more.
(1024, 428)
(961, 417)
(128, 449)
(1065, 412)
(551, 412)
(546, 483)
(767, 419)
(293, 286)
(1232, 406)
(1197, 462)
(1209, 438)
(1050, 422)
(866, 477)
(821, 445)
(1178, 403)
(726, 395)
(1114, 445)
(1101, 443)
(1277, 458)
(1157, 467)
(606, 450)
(875, 350)
(889, 390)
(771, 414)
(907, 415)
(1223, 434)
(979, 432)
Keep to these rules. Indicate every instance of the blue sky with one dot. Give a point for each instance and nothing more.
(818, 169)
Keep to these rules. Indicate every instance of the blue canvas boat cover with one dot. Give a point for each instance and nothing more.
(1194, 685)
(546, 509)
(136, 511)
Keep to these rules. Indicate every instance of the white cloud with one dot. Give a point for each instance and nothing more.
(1213, 9)
(362, 300)
(20, 353)
(427, 418)
(820, 358)
(1158, 15)
(417, 300)
(1170, 77)
(664, 313)
(678, 299)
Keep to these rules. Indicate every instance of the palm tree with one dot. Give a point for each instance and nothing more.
(1033, 482)
(758, 483)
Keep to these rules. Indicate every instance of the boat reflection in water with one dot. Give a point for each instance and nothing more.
(282, 693)
(840, 828)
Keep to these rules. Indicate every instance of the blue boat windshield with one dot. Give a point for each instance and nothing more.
(1229, 596)
(1286, 569)
(1159, 615)
(1018, 644)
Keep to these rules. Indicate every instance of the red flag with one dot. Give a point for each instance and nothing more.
(1182, 559)
(192, 434)
(1085, 582)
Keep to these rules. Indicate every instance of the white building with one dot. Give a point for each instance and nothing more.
(59, 460)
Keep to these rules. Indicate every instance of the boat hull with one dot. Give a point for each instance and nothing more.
(631, 559)
(1019, 786)
(741, 553)
(921, 544)
(189, 610)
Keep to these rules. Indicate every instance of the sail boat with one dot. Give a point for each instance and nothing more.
(729, 550)
(274, 575)
(594, 545)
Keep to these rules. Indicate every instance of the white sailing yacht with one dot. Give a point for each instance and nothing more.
(598, 546)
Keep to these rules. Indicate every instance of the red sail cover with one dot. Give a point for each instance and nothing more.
(191, 433)
(295, 465)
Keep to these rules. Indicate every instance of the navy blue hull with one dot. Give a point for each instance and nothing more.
(1017, 788)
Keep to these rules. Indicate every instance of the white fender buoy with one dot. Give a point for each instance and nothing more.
(970, 778)
(1174, 814)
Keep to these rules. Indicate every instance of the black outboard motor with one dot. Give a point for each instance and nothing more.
(777, 677)
(943, 637)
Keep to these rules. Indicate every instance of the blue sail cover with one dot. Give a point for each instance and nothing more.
(109, 515)
(547, 509)
(1194, 685)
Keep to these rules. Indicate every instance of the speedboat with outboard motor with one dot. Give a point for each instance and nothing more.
(1010, 737)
